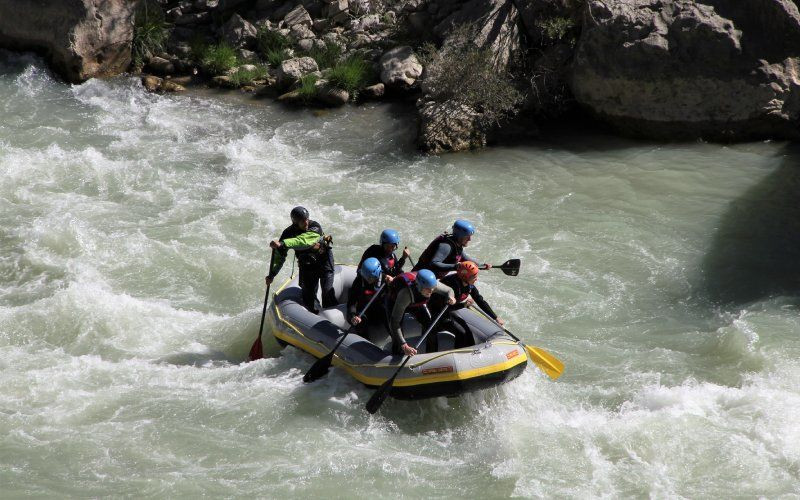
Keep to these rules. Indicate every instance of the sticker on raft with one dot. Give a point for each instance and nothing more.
(438, 369)
(512, 354)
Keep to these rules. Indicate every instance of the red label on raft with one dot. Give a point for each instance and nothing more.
(440, 369)
(512, 354)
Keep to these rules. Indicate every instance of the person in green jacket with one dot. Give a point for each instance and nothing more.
(314, 258)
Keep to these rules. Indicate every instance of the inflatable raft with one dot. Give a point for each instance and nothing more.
(494, 359)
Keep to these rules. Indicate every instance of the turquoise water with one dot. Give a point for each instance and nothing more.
(133, 244)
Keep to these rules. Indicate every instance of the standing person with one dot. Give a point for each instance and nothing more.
(314, 258)
(384, 252)
(466, 294)
(364, 287)
(410, 292)
(447, 250)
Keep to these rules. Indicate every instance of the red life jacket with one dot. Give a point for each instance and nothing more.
(461, 291)
(409, 281)
(454, 257)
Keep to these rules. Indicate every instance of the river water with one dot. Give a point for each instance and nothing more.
(133, 232)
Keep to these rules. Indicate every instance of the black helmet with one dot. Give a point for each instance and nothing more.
(299, 213)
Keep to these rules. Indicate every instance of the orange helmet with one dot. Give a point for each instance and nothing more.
(467, 270)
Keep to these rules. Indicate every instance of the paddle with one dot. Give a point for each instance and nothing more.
(509, 267)
(257, 351)
(379, 396)
(549, 364)
(323, 364)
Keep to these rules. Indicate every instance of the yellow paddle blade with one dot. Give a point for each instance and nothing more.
(548, 363)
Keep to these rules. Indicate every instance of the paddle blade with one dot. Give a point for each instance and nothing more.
(379, 396)
(257, 351)
(511, 267)
(319, 368)
(549, 364)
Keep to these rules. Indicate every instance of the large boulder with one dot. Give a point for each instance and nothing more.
(80, 38)
(293, 69)
(449, 126)
(718, 69)
(238, 32)
(400, 67)
(497, 25)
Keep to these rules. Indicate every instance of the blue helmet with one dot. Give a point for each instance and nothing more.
(426, 279)
(371, 269)
(390, 236)
(462, 229)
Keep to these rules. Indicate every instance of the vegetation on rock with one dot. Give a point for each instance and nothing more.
(219, 58)
(150, 31)
(351, 74)
(462, 73)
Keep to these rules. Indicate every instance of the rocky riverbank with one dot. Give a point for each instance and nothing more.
(714, 69)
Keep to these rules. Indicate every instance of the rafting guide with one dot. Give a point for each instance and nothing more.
(314, 258)
(413, 334)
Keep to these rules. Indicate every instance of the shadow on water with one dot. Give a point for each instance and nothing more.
(755, 253)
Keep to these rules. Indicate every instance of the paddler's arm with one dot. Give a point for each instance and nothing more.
(404, 298)
(437, 261)
(485, 307)
(445, 290)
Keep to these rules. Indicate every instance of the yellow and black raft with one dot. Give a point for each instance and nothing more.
(495, 358)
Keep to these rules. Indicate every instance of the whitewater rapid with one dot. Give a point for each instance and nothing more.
(133, 245)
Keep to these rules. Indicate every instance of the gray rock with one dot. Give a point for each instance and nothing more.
(306, 44)
(337, 11)
(291, 70)
(239, 33)
(247, 55)
(332, 96)
(360, 7)
(160, 66)
(673, 68)
(297, 16)
(192, 19)
(400, 67)
(205, 4)
(301, 31)
(497, 22)
(151, 83)
(321, 25)
(374, 91)
(82, 39)
(449, 126)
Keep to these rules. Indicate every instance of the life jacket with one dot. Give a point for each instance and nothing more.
(407, 280)
(309, 256)
(461, 291)
(453, 257)
(367, 291)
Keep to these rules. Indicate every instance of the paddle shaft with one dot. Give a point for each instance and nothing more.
(360, 314)
(421, 340)
(266, 296)
(379, 396)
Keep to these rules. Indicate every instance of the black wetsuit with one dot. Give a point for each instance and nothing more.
(390, 265)
(442, 256)
(315, 267)
(450, 321)
(359, 295)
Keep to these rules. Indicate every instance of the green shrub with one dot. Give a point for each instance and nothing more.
(244, 77)
(308, 87)
(276, 57)
(271, 41)
(217, 59)
(351, 74)
(556, 28)
(461, 72)
(326, 56)
(150, 31)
